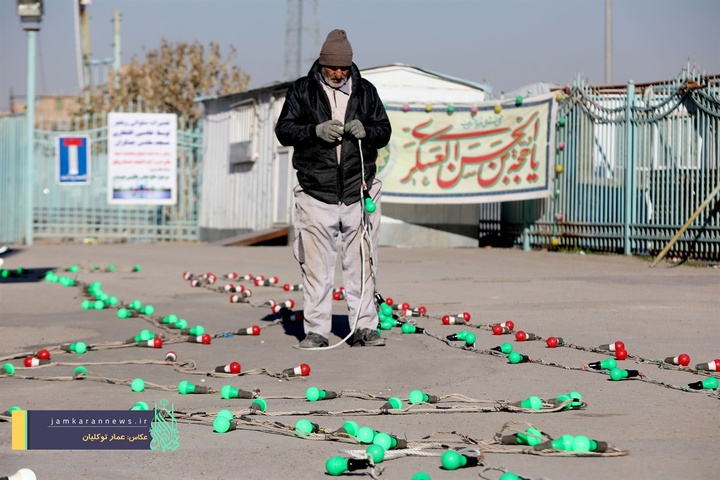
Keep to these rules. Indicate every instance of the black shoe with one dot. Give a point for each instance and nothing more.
(368, 338)
(313, 340)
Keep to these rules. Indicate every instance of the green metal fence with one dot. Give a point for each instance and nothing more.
(634, 164)
(81, 213)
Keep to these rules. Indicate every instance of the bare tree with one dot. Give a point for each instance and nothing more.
(169, 79)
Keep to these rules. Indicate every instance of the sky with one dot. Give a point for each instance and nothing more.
(505, 44)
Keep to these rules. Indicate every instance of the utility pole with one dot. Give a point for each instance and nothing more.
(300, 37)
(116, 45)
(608, 42)
(85, 40)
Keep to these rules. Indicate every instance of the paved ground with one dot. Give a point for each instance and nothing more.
(588, 300)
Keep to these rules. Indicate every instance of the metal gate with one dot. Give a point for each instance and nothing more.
(81, 213)
(633, 164)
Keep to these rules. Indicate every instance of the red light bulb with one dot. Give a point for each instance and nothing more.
(683, 359)
(286, 287)
(206, 339)
(552, 342)
(446, 319)
(621, 354)
(337, 296)
(28, 362)
(466, 316)
(510, 324)
(404, 306)
(389, 301)
(497, 329)
(157, 342)
(520, 336)
(234, 367)
(421, 310)
(255, 330)
(45, 355)
(619, 345)
(290, 303)
(304, 369)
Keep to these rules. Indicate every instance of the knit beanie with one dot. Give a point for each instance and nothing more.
(336, 51)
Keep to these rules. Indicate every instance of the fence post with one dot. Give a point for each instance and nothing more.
(629, 165)
(30, 113)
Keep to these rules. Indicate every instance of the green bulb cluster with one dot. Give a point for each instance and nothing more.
(574, 396)
(52, 277)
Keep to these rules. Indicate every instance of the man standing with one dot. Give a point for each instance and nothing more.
(335, 122)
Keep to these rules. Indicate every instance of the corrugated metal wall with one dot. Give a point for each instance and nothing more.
(240, 197)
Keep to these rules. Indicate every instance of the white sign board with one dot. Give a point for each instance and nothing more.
(142, 158)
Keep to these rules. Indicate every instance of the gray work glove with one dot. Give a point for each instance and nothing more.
(355, 128)
(329, 131)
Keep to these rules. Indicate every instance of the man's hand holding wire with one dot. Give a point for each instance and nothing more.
(329, 131)
(355, 128)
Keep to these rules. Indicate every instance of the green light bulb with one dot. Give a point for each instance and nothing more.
(222, 424)
(111, 268)
(8, 368)
(608, 364)
(514, 358)
(49, 276)
(387, 324)
(562, 121)
(138, 385)
(531, 436)
(259, 404)
(518, 100)
(137, 268)
(577, 399)
(533, 403)
(73, 269)
(144, 336)
(461, 334)
(384, 440)
(141, 406)
(86, 305)
(304, 427)
(376, 452)
(581, 443)
(365, 435)
(80, 373)
(103, 296)
(416, 396)
(13, 408)
(452, 460)
(149, 310)
(506, 348)
(172, 318)
(710, 383)
(563, 443)
(313, 394)
(470, 339)
(99, 305)
(370, 206)
(228, 391)
(617, 374)
(197, 330)
(335, 466)
(386, 309)
(408, 328)
(135, 305)
(123, 313)
(395, 403)
(185, 387)
(351, 427)
(509, 476)
(420, 476)
(112, 301)
(78, 347)
(226, 413)
(181, 324)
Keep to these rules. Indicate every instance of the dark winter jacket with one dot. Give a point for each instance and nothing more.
(318, 172)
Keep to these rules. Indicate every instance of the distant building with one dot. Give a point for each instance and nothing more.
(48, 108)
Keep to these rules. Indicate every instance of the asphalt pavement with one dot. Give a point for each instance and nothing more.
(656, 426)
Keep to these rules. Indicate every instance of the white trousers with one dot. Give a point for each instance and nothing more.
(317, 226)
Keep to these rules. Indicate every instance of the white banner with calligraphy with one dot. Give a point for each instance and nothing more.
(142, 158)
(470, 155)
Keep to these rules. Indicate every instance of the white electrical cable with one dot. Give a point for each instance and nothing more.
(363, 256)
